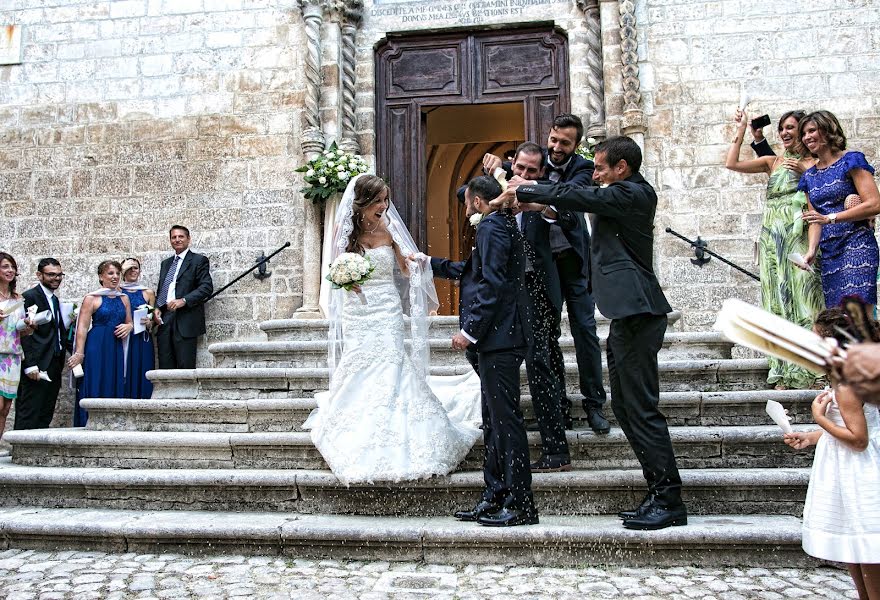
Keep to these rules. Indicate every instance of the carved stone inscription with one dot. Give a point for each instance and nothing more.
(460, 13)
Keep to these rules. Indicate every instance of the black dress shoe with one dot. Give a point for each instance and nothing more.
(482, 508)
(551, 465)
(658, 517)
(509, 517)
(598, 422)
(639, 510)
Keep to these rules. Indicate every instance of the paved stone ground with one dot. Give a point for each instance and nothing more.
(69, 575)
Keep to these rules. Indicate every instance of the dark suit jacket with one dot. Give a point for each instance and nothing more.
(39, 347)
(622, 278)
(578, 173)
(763, 148)
(493, 303)
(193, 283)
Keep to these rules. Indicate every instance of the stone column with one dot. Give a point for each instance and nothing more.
(633, 123)
(595, 77)
(312, 144)
(352, 14)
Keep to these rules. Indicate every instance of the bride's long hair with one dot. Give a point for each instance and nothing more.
(366, 190)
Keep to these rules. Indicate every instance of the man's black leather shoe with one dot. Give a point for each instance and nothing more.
(482, 508)
(509, 517)
(639, 510)
(658, 517)
(551, 465)
(598, 422)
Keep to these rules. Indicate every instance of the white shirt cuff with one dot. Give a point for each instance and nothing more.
(468, 337)
(30, 370)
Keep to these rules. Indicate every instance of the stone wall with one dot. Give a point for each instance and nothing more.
(129, 116)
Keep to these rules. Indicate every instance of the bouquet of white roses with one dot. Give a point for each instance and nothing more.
(330, 172)
(348, 270)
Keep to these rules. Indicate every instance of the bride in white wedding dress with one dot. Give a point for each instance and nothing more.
(380, 420)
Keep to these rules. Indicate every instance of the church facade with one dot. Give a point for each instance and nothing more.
(120, 118)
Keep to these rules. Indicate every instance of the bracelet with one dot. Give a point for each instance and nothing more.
(737, 140)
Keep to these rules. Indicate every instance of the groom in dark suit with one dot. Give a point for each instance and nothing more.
(184, 286)
(627, 291)
(494, 318)
(44, 350)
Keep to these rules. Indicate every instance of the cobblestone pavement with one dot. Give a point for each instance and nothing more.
(27, 575)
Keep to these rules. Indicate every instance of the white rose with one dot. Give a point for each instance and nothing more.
(310, 173)
(476, 218)
(343, 175)
(592, 141)
(331, 164)
(322, 180)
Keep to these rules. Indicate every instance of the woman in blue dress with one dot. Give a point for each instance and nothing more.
(841, 226)
(102, 327)
(141, 357)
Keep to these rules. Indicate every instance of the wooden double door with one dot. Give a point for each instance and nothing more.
(416, 74)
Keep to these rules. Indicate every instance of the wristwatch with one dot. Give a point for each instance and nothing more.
(832, 218)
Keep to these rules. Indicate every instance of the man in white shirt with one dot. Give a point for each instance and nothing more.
(44, 350)
(184, 286)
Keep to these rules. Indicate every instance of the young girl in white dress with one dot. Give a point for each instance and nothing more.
(842, 513)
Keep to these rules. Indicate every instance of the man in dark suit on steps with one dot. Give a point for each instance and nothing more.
(627, 291)
(44, 350)
(495, 331)
(184, 286)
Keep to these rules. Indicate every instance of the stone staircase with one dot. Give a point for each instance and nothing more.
(217, 460)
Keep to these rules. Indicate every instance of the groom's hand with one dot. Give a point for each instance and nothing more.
(459, 342)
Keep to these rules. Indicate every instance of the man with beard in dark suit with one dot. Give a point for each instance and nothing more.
(570, 247)
(184, 286)
(494, 319)
(44, 350)
(627, 291)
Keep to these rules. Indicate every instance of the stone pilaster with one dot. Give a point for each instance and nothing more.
(633, 114)
(312, 144)
(352, 15)
(595, 78)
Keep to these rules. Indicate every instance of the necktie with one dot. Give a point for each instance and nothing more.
(59, 324)
(166, 283)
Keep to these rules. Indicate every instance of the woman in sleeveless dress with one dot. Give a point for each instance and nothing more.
(141, 356)
(843, 232)
(11, 313)
(380, 421)
(102, 327)
(792, 293)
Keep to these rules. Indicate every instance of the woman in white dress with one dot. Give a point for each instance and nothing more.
(380, 420)
(842, 513)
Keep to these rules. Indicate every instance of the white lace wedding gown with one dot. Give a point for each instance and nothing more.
(380, 420)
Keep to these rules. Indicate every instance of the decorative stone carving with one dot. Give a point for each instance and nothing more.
(595, 77)
(633, 115)
(352, 14)
(312, 143)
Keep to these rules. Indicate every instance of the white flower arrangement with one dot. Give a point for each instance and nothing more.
(349, 269)
(330, 172)
(586, 149)
(475, 219)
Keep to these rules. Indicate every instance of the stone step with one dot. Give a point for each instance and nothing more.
(313, 353)
(440, 327)
(714, 375)
(706, 491)
(718, 540)
(288, 414)
(695, 447)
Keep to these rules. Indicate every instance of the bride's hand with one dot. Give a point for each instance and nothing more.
(419, 257)
(356, 289)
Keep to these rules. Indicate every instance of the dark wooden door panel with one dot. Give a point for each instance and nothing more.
(416, 72)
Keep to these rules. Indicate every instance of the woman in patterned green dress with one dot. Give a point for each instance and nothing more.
(786, 290)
